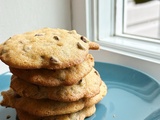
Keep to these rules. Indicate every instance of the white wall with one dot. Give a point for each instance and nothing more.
(18, 16)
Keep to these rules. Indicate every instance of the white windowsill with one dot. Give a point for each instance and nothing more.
(132, 48)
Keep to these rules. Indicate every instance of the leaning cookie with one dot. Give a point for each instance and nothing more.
(80, 115)
(45, 107)
(45, 48)
(45, 77)
(85, 88)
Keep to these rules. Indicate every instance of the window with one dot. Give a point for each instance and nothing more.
(116, 37)
(109, 23)
(141, 20)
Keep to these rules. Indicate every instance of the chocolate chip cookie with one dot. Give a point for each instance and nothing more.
(85, 88)
(46, 48)
(80, 115)
(46, 107)
(56, 77)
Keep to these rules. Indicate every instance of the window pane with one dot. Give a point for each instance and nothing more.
(142, 19)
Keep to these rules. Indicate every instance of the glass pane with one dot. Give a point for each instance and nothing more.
(142, 19)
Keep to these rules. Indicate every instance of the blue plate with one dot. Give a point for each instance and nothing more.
(132, 95)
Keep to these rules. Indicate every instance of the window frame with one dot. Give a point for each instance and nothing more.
(100, 27)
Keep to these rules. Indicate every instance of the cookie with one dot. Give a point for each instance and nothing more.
(46, 77)
(80, 115)
(98, 97)
(46, 107)
(45, 48)
(43, 107)
(86, 88)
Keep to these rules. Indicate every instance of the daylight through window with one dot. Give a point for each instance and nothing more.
(142, 19)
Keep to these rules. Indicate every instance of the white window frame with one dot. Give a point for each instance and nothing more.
(98, 25)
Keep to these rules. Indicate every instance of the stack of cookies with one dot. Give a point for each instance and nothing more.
(53, 75)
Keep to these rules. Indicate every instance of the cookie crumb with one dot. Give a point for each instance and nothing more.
(114, 116)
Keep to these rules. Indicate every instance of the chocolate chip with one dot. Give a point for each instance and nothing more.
(20, 42)
(3, 51)
(84, 39)
(42, 56)
(56, 37)
(38, 34)
(96, 72)
(72, 88)
(53, 60)
(80, 46)
(80, 82)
